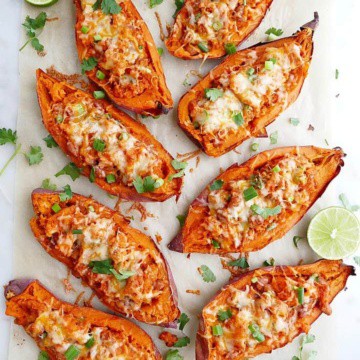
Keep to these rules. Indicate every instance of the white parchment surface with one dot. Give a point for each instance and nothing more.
(314, 106)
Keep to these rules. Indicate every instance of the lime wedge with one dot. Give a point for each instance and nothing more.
(334, 233)
(42, 2)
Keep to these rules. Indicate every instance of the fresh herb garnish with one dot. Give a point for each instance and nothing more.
(107, 6)
(147, 184)
(217, 330)
(70, 169)
(110, 178)
(273, 33)
(88, 64)
(223, 315)
(307, 339)
(294, 121)
(251, 74)
(184, 341)
(56, 208)
(207, 274)
(153, 3)
(254, 147)
(179, 4)
(274, 138)
(183, 320)
(106, 267)
(46, 184)
(296, 240)
(217, 185)
(33, 29)
(159, 49)
(265, 212)
(99, 145)
(250, 193)
(336, 74)
(270, 262)
(346, 203)
(238, 118)
(43, 355)
(92, 175)
(50, 142)
(173, 355)
(241, 262)
(213, 94)
(276, 169)
(203, 47)
(300, 295)
(256, 333)
(256, 181)
(230, 48)
(35, 155)
(67, 194)
(181, 219)
(72, 352)
(7, 136)
(90, 343)
(99, 95)
(215, 244)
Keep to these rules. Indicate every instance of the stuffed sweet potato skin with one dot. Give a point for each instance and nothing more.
(240, 22)
(330, 276)
(157, 278)
(27, 299)
(224, 140)
(50, 92)
(324, 166)
(156, 99)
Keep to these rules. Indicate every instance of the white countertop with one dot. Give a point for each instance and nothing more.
(345, 127)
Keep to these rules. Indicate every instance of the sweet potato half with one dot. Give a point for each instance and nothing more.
(65, 331)
(124, 60)
(253, 204)
(120, 264)
(246, 92)
(267, 308)
(205, 29)
(113, 150)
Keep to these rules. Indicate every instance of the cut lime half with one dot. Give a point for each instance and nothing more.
(334, 233)
(42, 2)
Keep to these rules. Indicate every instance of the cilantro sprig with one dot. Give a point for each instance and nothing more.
(184, 341)
(70, 169)
(307, 339)
(108, 7)
(46, 184)
(207, 274)
(147, 184)
(106, 267)
(35, 155)
(183, 320)
(34, 27)
(178, 165)
(8, 136)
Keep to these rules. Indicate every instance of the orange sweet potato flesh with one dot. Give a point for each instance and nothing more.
(155, 278)
(50, 91)
(244, 25)
(268, 112)
(26, 299)
(325, 166)
(156, 99)
(332, 277)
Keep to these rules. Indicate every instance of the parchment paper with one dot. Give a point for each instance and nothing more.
(314, 106)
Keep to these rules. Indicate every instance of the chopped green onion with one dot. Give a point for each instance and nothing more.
(56, 208)
(124, 136)
(215, 244)
(216, 185)
(110, 178)
(300, 293)
(217, 25)
(203, 47)
(274, 138)
(336, 74)
(160, 51)
(270, 262)
(238, 118)
(99, 145)
(92, 175)
(91, 208)
(230, 48)
(90, 343)
(197, 16)
(255, 331)
(99, 95)
(276, 169)
(240, 262)
(217, 330)
(223, 315)
(84, 29)
(294, 121)
(79, 109)
(100, 75)
(250, 193)
(72, 353)
(43, 355)
(59, 119)
(254, 146)
(158, 183)
(269, 65)
(97, 38)
(77, 232)
(254, 280)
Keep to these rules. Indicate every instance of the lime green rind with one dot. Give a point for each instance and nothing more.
(347, 239)
(41, 3)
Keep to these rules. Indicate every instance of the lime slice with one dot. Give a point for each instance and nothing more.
(42, 2)
(334, 233)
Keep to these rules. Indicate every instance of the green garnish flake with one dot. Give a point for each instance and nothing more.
(67, 194)
(160, 51)
(7, 136)
(269, 65)
(92, 175)
(250, 193)
(294, 121)
(213, 94)
(203, 47)
(296, 240)
(33, 29)
(59, 119)
(84, 29)
(153, 3)
(307, 339)
(43, 355)
(50, 142)
(215, 244)
(218, 25)
(251, 74)
(276, 169)
(122, 274)
(183, 320)
(270, 262)
(336, 74)
(179, 4)
(254, 147)
(238, 118)
(274, 138)
(178, 165)
(217, 185)
(217, 330)
(181, 219)
(255, 331)
(99, 145)
(72, 352)
(230, 48)
(35, 155)
(300, 294)
(265, 212)
(184, 341)
(143, 185)
(254, 280)
(88, 64)
(46, 184)
(99, 95)
(56, 208)
(273, 33)
(241, 262)
(256, 181)
(110, 7)
(110, 178)
(100, 75)
(90, 343)
(77, 232)
(97, 38)
(223, 315)
(106, 267)
(70, 169)
(173, 355)
(207, 274)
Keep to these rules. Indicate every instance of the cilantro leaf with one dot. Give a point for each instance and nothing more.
(67, 194)
(216, 185)
(347, 204)
(181, 219)
(147, 184)
(35, 43)
(35, 155)
(70, 169)
(213, 94)
(179, 4)
(43, 355)
(7, 136)
(153, 3)
(270, 262)
(110, 7)
(97, 5)
(122, 274)
(33, 29)
(179, 174)
(241, 262)
(46, 184)
(179, 165)
(265, 212)
(88, 64)
(50, 142)
(274, 31)
(307, 339)
(223, 315)
(207, 274)
(184, 341)
(183, 320)
(173, 355)
(101, 266)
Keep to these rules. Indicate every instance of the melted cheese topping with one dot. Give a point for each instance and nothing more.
(57, 330)
(231, 218)
(120, 48)
(101, 238)
(272, 304)
(251, 89)
(86, 122)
